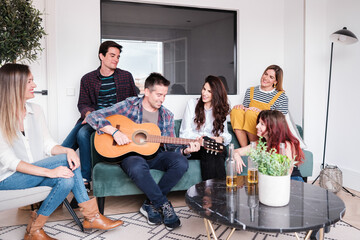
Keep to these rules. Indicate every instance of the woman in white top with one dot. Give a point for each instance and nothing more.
(206, 116)
(29, 157)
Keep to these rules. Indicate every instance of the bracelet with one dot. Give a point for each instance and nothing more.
(114, 132)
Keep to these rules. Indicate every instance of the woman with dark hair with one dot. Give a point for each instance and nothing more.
(268, 95)
(29, 157)
(272, 126)
(206, 116)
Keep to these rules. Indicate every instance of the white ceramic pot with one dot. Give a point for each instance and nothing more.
(274, 191)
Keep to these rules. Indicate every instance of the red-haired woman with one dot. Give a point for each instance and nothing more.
(272, 126)
(268, 95)
(206, 116)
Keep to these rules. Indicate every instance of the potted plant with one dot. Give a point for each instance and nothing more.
(20, 31)
(274, 175)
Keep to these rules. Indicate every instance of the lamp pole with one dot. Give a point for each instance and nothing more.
(327, 106)
(327, 111)
(343, 36)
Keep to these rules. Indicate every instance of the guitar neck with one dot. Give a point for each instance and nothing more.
(169, 140)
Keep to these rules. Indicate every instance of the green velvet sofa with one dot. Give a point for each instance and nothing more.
(111, 180)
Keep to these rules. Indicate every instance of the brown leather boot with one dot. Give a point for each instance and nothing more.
(33, 216)
(94, 219)
(34, 229)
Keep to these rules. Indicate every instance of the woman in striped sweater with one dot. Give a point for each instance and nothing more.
(269, 95)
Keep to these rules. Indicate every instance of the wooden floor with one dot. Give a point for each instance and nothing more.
(115, 205)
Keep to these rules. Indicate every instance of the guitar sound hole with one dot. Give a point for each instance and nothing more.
(139, 138)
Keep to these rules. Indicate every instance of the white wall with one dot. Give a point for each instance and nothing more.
(73, 41)
(322, 19)
(39, 68)
(344, 114)
(77, 38)
(263, 39)
(315, 78)
(294, 49)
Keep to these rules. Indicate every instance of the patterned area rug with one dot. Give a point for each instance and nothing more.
(136, 227)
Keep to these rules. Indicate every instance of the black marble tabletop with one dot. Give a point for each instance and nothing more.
(310, 207)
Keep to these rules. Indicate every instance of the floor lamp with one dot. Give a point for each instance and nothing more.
(342, 36)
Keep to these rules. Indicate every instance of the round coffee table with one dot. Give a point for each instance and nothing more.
(310, 208)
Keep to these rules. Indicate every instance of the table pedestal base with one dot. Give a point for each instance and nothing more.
(208, 225)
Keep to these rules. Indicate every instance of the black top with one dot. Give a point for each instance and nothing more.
(310, 207)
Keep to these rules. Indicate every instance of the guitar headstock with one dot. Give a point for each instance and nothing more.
(212, 146)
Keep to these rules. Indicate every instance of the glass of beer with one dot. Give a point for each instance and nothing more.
(252, 167)
(231, 181)
(253, 175)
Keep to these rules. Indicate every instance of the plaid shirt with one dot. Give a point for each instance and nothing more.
(90, 88)
(132, 109)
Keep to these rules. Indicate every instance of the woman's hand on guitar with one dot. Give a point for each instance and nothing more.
(218, 139)
(120, 138)
(193, 147)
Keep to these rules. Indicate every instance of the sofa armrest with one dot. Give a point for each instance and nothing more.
(307, 167)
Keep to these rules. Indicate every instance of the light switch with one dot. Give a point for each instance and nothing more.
(70, 91)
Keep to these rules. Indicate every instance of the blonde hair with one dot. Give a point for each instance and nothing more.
(13, 79)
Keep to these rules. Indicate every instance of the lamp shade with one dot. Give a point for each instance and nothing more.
(343, 36)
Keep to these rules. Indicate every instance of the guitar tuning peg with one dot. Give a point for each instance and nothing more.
(207, 151)
(215, 153)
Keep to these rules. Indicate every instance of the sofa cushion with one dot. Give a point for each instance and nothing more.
(111, 180)
(116, 182)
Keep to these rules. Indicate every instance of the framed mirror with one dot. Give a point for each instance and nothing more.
(184, 44)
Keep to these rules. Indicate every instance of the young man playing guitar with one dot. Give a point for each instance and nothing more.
(171, 160)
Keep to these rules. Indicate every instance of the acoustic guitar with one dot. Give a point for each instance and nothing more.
(145, 139)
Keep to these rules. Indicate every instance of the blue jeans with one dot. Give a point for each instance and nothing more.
(79, 137)
(61, 187)
(138, 169)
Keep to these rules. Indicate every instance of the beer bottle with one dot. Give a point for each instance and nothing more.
(231, 175)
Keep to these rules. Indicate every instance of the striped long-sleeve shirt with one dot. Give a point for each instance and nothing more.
(90, 89)
(281, 104)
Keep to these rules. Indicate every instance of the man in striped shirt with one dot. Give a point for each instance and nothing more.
(99, 89)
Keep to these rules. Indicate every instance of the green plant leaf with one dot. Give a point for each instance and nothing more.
(20, 31)
(270, 162)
